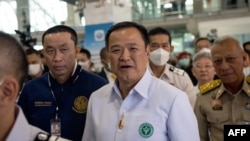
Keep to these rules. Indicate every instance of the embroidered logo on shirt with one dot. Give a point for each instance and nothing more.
(80, 104)
(146, 130)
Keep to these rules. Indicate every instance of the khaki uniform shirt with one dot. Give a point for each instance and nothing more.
(216, 106)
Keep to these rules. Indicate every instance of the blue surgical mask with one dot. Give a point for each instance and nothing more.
(184, 62)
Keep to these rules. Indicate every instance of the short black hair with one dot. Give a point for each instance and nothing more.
(61, 28)
(85, 51)
(245, 44)
(32, 51)
(202, 38)
(160, 30)
(16, 62)
(128, 24)
(103, 53)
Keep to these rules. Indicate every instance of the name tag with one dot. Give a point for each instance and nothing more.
(43, 103)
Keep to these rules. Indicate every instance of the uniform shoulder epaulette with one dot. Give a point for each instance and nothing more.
(176, 70)
(248, 79)
(209, 86)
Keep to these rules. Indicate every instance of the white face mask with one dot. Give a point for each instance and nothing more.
(159, 57)
(109, 66)
(34, 69)
(84, 65)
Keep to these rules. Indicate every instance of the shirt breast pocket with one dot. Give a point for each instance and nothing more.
(246, 117)
(218, 118)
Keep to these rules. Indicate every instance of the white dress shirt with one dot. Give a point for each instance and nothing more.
(152, 111)
(180, 79)
(22, 130)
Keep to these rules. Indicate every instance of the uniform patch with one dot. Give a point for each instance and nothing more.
(146, 130)
(217, 104)
(248, 79)
(80, 104)
(176, 70)
(210, 86)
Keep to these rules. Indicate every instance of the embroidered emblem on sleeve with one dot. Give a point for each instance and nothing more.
(146, 130)
(80, 104)
(209, 86)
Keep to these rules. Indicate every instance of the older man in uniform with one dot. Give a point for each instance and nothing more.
(160, 49)
(226, 100)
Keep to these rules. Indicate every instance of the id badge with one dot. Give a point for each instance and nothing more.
(55, 127)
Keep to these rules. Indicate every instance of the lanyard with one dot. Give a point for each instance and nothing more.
(52, 92)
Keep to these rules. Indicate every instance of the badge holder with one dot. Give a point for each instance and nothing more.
(55, 127)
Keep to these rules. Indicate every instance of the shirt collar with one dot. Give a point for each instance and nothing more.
(73, 72)
(140, 87)
(20, 129)
(110, 76)
(165, 72)
(244, 88)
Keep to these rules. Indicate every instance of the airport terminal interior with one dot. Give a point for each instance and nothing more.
(185, 19)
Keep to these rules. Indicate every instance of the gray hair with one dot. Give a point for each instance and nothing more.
(224, 39)
(203, 53)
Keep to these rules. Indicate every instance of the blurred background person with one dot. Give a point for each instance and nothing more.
(160, 49)
(13, 71)
(201, 43)
(172, 59)
(184, 61)
(246, 47)
(106, 71)
(203, 69)
(84, 60)
(45, 67)
(36, 68)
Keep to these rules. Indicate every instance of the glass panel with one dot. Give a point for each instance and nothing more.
(8, 22)
(46, 13)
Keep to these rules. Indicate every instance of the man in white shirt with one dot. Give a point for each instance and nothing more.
(138, 106)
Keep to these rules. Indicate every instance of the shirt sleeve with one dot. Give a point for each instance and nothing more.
(88, 134)
(202, 122)
(189, 89)
(182, 123)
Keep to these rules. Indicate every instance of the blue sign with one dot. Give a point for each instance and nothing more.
(95, 36)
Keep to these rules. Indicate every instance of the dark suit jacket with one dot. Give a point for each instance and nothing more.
(103, 74)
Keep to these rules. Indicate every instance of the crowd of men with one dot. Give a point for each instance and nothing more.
(140, 94)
